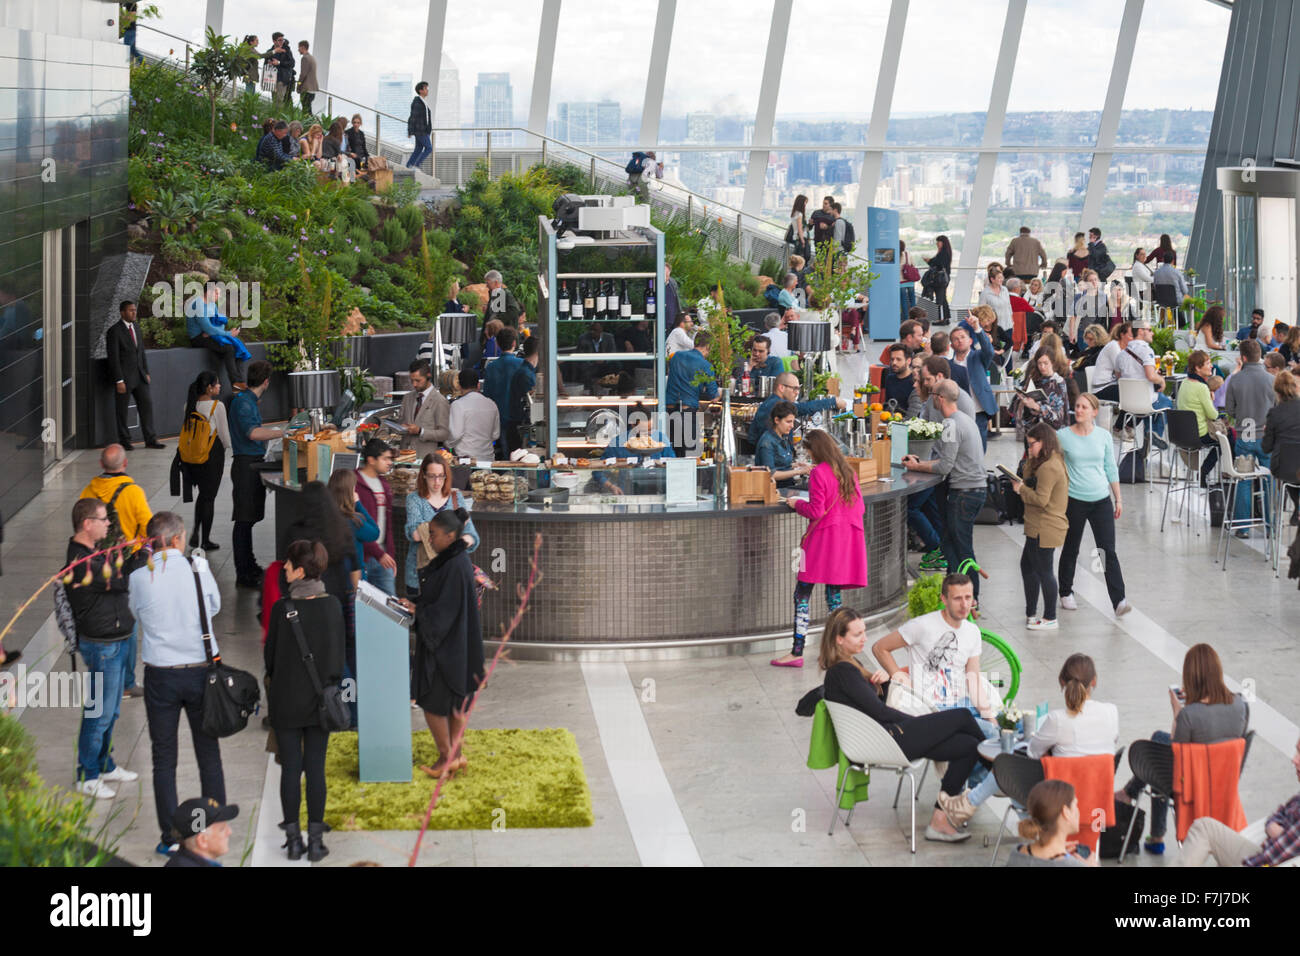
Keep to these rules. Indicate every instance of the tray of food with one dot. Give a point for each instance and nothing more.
(643, 443)
(491, 486)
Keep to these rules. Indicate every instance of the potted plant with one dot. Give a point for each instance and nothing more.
(1009, 718)
(921, 436)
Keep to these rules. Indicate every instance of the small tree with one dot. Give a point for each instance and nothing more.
(219, 63)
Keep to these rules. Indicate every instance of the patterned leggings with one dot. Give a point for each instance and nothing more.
(802, 596)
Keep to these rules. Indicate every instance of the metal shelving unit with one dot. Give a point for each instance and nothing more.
(648, 245)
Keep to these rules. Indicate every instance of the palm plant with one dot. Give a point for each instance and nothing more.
(218, 63)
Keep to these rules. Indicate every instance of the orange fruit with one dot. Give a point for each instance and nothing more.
(877, 406)
(885, 416)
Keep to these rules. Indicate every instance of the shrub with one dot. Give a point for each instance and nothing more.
(925, 595)
(344, 263)
(411, 218)
(773, 268)
(364, 215)
(17, 754)
(395, 235)
(360, 238)
(180, 254)
(379, 249)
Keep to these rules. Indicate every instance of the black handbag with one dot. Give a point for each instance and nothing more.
(334, 713)
(1112, 838)
(230, 696)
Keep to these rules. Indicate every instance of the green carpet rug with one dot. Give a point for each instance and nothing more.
(515, 779)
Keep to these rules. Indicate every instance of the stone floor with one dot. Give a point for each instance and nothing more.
(703, 762)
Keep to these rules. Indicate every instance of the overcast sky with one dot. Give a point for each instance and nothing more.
(831, 62)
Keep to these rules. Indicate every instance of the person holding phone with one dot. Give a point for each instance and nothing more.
(1205, 712)
(1053, 815)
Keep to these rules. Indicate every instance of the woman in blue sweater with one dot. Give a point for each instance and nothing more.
(1090, 466)
(433, 494)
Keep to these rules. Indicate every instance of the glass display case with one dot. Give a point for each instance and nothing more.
(594, 485)
(602, 349)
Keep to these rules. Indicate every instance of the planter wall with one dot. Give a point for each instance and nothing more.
(172, 371)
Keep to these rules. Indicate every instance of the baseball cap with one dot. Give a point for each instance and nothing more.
(197, 814)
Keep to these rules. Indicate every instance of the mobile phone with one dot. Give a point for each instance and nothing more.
(1177, 691)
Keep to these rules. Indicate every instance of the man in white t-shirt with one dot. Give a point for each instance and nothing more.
(780, 342)
(1137, 360)
(682, 337)
(943, 649)
(1105, 364)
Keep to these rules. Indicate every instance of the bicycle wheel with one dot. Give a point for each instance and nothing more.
(1000, 664)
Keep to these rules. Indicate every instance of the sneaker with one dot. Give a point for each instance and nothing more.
(1043, 624)
(934, 561)
(120, 775)
(1242, 533)
(96, 788)
(1158, 443)
(1123, 608)
(1031, 620)
(130, 692)
(166, 849)
(1153, 846)
(1068, 602)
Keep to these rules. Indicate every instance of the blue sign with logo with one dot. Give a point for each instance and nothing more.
(882, 245)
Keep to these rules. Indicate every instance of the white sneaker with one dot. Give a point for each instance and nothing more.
(96, 788)
(120, 775)
(1043, 625)
(1068, 602)
(1123, 608)
(1031, 621)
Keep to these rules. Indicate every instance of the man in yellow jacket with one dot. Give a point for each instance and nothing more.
(114, 487)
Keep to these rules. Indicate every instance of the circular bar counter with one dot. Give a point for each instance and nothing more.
(654, 581)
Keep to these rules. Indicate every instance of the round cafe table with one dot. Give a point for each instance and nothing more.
(989, 749)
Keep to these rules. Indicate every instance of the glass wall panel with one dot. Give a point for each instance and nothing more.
(946, 72)
(715, 68)
(598, 85)
(368, 68)
(1062, 69)
(184, 18)
(931, 192)
(815, 106)
(719, 176)
(493, 47)
(815, 173)
(1043, 191)
(1146, 195)
(1175, 77)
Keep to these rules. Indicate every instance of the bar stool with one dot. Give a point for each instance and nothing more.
(1281, 491)
(1185, 437)
(1259, 480)
(1136, 401)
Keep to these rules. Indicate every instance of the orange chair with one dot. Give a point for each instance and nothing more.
(1093, 779)
(876, 375)
(1020, 332)
(1205, 783)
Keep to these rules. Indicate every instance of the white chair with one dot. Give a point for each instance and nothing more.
(1089, 373)
(867, 744)
(1281, 493)
(1136, 402)
(1259, 481)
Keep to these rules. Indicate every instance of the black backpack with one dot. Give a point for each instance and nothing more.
(635, 164)
(823, 225)
(850, 239)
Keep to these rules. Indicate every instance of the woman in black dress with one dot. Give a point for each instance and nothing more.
(449, 648)
(934, 284)
(950, 735)
(293, 704)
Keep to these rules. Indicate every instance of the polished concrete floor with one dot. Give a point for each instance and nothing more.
(703, 762)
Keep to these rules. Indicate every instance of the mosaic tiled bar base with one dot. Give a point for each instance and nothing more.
(616, 580)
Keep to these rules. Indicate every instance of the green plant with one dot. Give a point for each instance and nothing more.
(395, 236)
(379, 249)
(364, 215)
(359, 384)
(172, 212)
(924, 596)
(218, 63)
(773, 268)
(835, 280)
(17, 754)
(344, 263)
(412, 219)
(161, 331)
(180, 254)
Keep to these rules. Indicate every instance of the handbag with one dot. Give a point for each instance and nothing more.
(230, 696)
(905, 699)
(1216, 426)
(334, 714)
(1112, 838)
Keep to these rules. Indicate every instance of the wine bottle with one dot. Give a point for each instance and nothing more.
(588, 300)
(600, 299)
(611, 300)
(562, 304)
(650, 299)
(578, 299)
(625, 304)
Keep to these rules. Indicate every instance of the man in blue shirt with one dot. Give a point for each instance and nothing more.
(685, 385)
(760, 362)
(522, 384)
(787, 390)
(1256, 320)
(248, 438)
(206, 332)
(498, 381)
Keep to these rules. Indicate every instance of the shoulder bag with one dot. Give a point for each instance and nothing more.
(230, 696)
(334, 714)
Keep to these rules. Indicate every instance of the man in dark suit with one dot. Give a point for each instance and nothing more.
(129, 369)
(595, 340)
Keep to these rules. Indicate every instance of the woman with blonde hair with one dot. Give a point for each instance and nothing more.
(1077, 257)
(1095, 338)
(1205, 712)
(834, 548)
(313, 142)
(947, 735)
(1052, 814)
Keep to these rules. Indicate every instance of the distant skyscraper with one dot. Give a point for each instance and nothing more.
(447, 113)
(804, 168)
(700, 128)
(1060, 181)
(589, 124)
(494, 105)
(395, 93)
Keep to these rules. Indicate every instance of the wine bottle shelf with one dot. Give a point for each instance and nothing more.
(605, 275)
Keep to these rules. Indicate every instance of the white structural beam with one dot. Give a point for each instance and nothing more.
(322, 41)
(1110, 113)
(657, 73)
(765, 117)
(879, 124)
(994, 121)
(548, 33)
(215, 15)
(431, 67)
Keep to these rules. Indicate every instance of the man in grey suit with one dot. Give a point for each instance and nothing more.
(426, 415)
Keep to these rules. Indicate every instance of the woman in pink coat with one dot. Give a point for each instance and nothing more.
(835, 545)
